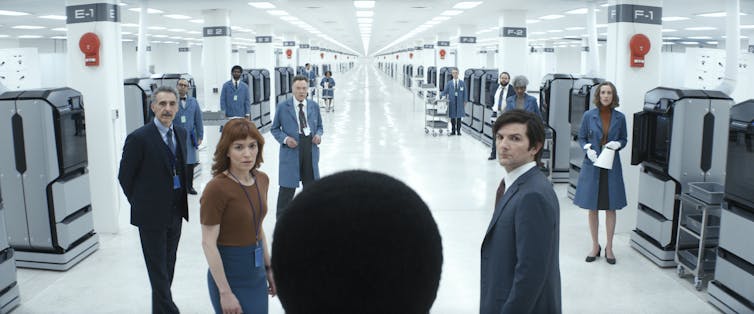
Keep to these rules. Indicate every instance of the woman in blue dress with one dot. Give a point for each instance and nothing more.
(327, 85)
(600, 189)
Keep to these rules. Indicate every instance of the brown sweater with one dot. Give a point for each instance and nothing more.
(605, 114)
(224, 203)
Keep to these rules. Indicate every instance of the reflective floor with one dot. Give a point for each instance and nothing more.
(377, 126)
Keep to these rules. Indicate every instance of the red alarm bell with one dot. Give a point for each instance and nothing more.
(321, 55)
(410, 55)
(396, 57)
(89, 45)
(289, 53)
(639, 45)
(442, 54)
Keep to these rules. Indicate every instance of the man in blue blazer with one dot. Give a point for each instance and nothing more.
(520, 269)
(522, 100)
(297, 126)
(189, 117)
(455, 92)
(153, 177)
(499, 96)
(235, 99)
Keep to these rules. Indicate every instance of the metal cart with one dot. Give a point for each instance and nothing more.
(698, 231)
(436, 116)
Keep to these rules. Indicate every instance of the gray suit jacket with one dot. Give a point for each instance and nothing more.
(520, 264)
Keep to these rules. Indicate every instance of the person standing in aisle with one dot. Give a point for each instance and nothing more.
(503, 91)
(522, 100)
(327, 83)
(153, 177)
(190, 118)
(520, 266)
(311, 76)
(455, 92)
(235, 100)
(233, 207)
(599, 189)
(297, 126)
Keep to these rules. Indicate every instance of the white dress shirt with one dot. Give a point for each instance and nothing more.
(512, 176)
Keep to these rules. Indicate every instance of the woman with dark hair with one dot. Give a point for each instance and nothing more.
(327, 85)
(602, 128)
(233, 206)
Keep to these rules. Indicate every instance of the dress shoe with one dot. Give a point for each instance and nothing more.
(192, 191)
(610, 261)
(453, 133)
(492, 157)
(590, 259)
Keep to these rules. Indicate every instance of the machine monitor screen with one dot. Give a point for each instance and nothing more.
(660, 147)
(72, 134)
(579, 103)
(738, 183)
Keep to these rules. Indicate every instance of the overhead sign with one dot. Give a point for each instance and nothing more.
(289, 44)
(264, 39)
(632, 13)
(250, 51)
(183, 49)
(467, 40)
(215, 31)
(315, 48)
(426, 46)
(94, 12)
(585, 49)
(549, 50)
(443, 44)
(304, 46)
(513, 32)
(234, 50)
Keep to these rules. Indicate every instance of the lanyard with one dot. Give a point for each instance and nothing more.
(257, 223)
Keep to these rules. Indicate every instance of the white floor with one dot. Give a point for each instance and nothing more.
(377, 127)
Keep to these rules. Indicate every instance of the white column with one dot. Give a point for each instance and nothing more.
(216, 50)
(593, 49)
(251, 58)
(550, 60)
(513, 50)
(235, 56)
(184, 58)
(142, 59)
(440, 50)
(265, 57)
(632, 84)
(302, 56)
(584, 56)
(466, 53)
(102, 88)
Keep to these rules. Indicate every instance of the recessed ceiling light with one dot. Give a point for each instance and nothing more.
(58, 37)
(27, 27)
(700, 28)
(440, 18)
(197, 21)
(53, 17)
(193, 32)
(668, 30)
(712, 42)
(746, 27)
(262, 5)
(600, 25)
(671, 38)
(451, 12)
(432, 23)
(12, 13)
(699, 37)
(690, 42)
(60, 29)
(149, 10)
(537, 33)
(176, 30)
(578, 11)
(177, 16)
(277, 12)
(573, 28)
(129, 25)
(555, 31)
(126, 33)
(157, 28)
(467, 5)
(673, 18)
(29, 36)
(604, 4)
(551, 17)
(288, 18)
(123, 4)
(532, 21)
(364, 20)
(160, 36)
(668, 43)
(363, 4)
(364, 13)
(718, 14)
(4, 36)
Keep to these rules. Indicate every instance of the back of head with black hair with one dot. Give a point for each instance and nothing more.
(357, 242)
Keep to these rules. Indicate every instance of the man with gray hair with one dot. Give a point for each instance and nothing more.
(521, 100)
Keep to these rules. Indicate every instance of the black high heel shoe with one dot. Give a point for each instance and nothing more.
(590, 259)
(610, 261)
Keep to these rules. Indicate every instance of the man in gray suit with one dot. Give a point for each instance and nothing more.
(520, 264)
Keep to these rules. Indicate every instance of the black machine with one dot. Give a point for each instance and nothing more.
(432, 76)
(283, 84)
(171, 79)
(554, 98)
(137, 94)
(487, 99)
(732, 290)
(444, 77)
(582, 96)
(9, 297)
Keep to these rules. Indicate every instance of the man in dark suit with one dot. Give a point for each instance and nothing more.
(499, 95)
(297, 126)
(152, 175)
(520, 271)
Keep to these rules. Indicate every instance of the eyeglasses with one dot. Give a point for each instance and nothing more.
(184, 85)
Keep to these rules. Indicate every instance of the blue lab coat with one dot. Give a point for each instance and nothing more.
(327, 92)
(193, 125)
(235, 102)
(456, 98)
(285, 123)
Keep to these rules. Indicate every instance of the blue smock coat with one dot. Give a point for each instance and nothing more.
(193, 125)
(235, 102)
(588, 184)
(456, 98)
(530, 104)
(285, 123)
(327, 92)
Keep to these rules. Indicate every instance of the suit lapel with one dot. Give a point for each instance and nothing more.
(157, 138)
(509, 193)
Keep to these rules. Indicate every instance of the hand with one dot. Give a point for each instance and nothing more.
(614, 145)
(316, 139)
(199, 142)
(229, 303)
(591, 154)
(291, 143)
(272, 289)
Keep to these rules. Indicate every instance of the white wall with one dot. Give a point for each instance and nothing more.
(672, 72)
(568, 60)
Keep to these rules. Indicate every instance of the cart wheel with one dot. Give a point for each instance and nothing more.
(681, 271)
(698, 283)
(441, 132)
(426, 131)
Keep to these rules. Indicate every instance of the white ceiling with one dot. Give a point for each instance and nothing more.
(392, 19)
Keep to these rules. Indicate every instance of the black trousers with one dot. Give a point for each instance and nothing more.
(190, 175)
(306, 169)
(159, 247)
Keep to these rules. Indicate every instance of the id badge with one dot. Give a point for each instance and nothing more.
(176, 182)
(456, 94)
(258, 257)
(235, 97)
(307, 131)
(183, 119)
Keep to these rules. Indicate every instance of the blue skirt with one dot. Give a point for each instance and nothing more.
(248, 283)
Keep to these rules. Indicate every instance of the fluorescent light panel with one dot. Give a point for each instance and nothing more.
(59, 37)
(53, 17)
(197, 21)
(668, 30)
(277, 12)
(578, 11)
(551, 17)
(532, 21)
(440, 18)
(451, 12)
(12, 13)
(467, 5)
(149, 10)
(363, 4)
(364, 13)
(156, 28)
(129, 25)
(701, 28)
(177, 16)
(62, 29)
(27, 27)
(718, 14)
(573, 28)
(673, 18)
(262, 5)
(363, 20)
(29, 36)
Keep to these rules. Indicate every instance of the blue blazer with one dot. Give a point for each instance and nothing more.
(146, 176)
(193, 125)
(241, 105)
(285, 123)
(588, 184)
(520, 270)
(530, 104)
(456, 98)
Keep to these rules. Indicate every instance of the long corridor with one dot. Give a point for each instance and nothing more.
(376, 126)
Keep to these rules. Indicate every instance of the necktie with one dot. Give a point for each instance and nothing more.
(183, 102)
(500, 99)
(500, 191)
(301, 118)
(171, 145)
(236, 84)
